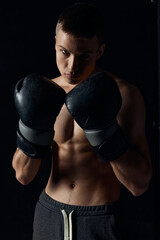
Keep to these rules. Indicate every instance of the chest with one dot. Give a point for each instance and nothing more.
(66, 128)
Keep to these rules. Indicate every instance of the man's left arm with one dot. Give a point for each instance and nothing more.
(133, 168)
(112, 115)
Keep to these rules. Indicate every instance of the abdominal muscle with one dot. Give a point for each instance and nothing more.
(78, 176)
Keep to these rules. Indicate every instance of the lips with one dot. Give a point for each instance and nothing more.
(72, 76)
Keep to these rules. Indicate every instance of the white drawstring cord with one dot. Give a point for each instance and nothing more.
(70, 225)
(66, 237)
(67, 225)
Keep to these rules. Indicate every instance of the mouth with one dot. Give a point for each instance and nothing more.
(72, 76)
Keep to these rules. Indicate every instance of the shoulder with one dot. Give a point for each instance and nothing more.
(133, 110)
(132, 115)
(131, 95)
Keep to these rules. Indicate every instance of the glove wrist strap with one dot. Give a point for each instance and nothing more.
(36, 136)
(97, 136)
(108, 143)
(30, 149)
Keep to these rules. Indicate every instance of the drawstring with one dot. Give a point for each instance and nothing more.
(70, 224)
(67, 225)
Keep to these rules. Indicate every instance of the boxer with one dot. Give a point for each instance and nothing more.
(94, 124)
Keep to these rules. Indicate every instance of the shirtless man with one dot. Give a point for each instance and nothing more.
(81, 196)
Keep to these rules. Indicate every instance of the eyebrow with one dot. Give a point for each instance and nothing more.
(87, 52)
(61, 46)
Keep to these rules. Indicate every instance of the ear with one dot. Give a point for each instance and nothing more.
(101, 50)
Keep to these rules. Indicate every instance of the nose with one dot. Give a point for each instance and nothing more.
(73, 63)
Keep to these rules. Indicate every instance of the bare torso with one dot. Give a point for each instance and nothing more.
(78, 176)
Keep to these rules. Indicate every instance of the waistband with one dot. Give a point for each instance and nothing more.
(55, 205)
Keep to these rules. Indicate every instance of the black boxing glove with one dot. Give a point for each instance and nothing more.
(94, 104)
(38, 101)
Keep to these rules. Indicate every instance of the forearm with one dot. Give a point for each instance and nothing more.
(134, 171)
(25, 167)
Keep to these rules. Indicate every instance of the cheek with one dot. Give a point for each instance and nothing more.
(61, 62)
(89, 63)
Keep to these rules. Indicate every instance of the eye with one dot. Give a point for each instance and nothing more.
(64, 51)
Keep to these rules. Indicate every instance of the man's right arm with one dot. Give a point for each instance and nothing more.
(25, 167)
(38, 101)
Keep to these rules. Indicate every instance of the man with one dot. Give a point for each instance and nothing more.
(99, 137)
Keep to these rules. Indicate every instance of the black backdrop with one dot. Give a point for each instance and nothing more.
(27, 45)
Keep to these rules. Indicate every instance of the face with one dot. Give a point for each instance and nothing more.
(76, 57)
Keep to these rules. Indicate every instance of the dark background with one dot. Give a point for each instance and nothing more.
(27, 45)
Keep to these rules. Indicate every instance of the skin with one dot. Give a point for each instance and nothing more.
(78, 176)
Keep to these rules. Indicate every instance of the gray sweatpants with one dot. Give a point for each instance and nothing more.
(58, 221)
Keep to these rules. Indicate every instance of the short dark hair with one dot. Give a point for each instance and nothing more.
(82, 20)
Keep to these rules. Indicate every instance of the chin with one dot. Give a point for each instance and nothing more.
(73, 81)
